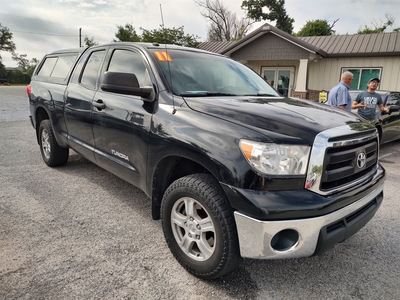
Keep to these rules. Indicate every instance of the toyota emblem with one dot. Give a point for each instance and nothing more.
(361, 160)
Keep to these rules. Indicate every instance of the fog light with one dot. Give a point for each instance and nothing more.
(285, 240)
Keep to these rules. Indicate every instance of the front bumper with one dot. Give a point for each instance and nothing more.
(305, 237)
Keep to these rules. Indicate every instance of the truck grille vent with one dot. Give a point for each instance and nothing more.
(340, 224)
(342, 163)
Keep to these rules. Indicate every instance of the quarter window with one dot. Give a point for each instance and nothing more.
(57, 67)
(63, 66)
(47, 66)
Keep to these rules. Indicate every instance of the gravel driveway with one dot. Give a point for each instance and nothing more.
(79, 232)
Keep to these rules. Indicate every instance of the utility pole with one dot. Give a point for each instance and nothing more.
(80, 37)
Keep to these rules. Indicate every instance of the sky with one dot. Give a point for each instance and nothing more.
(43, 26)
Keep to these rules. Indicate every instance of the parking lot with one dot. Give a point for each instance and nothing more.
(79, 232)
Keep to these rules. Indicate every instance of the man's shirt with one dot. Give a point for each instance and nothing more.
(371, 100)
(339, 95)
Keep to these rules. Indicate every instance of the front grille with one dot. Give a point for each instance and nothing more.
(340, 164)
(342, 157)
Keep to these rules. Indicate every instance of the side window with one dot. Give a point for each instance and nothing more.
(57, 67)
(63, 66)
(47, 66)
(128, 62)
(90, 73)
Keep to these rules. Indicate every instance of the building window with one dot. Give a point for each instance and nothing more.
(362, 76)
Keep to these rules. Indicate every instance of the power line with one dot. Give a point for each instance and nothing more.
(70, 35)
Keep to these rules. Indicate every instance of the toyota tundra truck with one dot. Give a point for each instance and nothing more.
(233, 169)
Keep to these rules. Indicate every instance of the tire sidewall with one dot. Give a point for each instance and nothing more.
(44, 125)
(201, 267)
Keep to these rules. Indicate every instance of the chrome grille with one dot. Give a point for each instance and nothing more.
(340, 165)
(342, 157)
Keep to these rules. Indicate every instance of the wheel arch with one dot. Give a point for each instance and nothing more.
(173, 167)
(40, 115)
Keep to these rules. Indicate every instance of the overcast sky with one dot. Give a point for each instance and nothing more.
(42, 26)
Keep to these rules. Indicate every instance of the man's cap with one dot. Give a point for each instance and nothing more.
(374, 79)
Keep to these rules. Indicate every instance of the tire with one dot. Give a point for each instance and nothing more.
(53, 155)
(199, 226)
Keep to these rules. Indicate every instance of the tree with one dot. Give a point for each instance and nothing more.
(6, 43)
(277, 12)
(317, 28)
(28, 66)
(3, 71)
(225, 25)
(169, 36)
(127, 33)
(378, 28)
(89, 42)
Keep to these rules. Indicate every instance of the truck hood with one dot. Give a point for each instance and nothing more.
(280, 119)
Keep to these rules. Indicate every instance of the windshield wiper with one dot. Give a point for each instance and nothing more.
(261, 94)
(202, 94)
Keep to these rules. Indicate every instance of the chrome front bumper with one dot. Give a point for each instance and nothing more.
(256, 237)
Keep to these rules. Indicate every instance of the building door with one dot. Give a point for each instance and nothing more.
(280, 78)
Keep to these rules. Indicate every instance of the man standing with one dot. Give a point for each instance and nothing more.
(339, 95)
(366, 102)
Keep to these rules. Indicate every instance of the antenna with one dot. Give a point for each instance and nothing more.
(169, 68)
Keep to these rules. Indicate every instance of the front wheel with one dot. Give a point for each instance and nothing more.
(53, 155)
(199, 226)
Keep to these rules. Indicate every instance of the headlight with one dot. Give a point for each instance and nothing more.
(275, 159)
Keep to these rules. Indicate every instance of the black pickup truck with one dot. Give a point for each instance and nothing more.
(233, 169)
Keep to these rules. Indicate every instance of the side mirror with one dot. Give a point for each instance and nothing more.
(125, 83)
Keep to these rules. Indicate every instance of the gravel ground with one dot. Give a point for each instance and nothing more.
(79, 232)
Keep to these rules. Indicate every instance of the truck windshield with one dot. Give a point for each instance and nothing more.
(198, 74)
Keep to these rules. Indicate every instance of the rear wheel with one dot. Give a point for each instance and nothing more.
(53, 155)
(199, 226)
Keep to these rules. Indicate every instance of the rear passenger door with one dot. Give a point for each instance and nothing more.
(121, 123)
(78, 102)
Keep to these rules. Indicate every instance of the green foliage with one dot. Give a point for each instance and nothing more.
(316, 28)
(174, 36)
(277, 12)
(17, 77)
(28, 66)
(6, 43)
(127, 33)
(368, 30)
(89, 42)
(3, 72)
(378, 28)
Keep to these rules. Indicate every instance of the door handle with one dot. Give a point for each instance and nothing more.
(99, 104)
